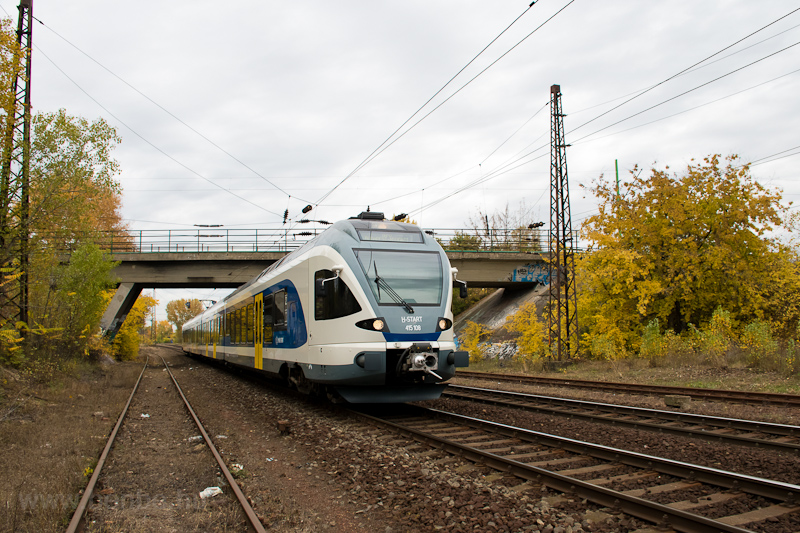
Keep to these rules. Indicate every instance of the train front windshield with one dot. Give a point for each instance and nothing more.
(416, 277)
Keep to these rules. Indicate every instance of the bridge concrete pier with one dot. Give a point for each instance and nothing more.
(119, 307)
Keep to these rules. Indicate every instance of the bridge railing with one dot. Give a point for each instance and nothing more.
(209, 240)
(288, 239)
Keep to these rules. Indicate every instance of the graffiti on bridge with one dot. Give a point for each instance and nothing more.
(532, 273)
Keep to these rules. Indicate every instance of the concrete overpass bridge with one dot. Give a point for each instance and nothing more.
(213, 258)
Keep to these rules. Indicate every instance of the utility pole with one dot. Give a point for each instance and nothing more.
(15, 175)
(563, 316)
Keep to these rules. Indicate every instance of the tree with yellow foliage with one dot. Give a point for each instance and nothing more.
(126, 343)
(181, 311)
(471, 337)
(531, 340)
(675, 247)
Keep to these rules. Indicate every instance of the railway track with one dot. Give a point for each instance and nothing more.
(78, 518)
(686, 497)
(762, 398)
(765, 435)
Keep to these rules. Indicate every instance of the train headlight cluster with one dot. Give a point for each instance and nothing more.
(373, 324)
(444, 324)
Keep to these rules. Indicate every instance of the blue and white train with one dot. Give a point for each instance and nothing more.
(361, 312)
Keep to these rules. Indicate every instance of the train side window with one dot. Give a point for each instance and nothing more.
(250, 322)
(279, 308)
(268, 319)
(332, 299)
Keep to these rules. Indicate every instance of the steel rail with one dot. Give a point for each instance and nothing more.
(248, 509)
(604, 413)
(706, 394)
(80, 511)
(634, 506)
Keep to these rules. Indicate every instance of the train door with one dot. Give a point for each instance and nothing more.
(258, 331)
(206, 336)
(215, 334)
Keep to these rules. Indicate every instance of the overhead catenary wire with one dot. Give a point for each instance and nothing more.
(467, 169)
(686, 92)
(387, 143)
(504, 169)
(695, 107)
(147, 141)
(165, 110)
(489, 176)
(707, 64)
(685, 70)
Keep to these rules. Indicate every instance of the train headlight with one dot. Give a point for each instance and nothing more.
(373, 324)
(444, 324)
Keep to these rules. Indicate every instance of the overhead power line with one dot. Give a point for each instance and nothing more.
(165, 110)
(685, 92)
(509, 167)
(468, 169)
(390, 140)
(697, 106)
(685, 70)
(143, 138)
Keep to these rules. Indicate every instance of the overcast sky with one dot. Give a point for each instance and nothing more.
(278, 102)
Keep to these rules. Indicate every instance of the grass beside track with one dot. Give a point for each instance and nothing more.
(640, 371)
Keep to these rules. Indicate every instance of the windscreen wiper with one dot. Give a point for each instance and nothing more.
(380, 282)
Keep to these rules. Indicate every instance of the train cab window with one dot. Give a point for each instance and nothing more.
(249, 312)
(279, 309)
(332, 297)
(268, 319)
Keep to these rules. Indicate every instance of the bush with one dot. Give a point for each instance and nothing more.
(716, 340)
(471, 336)
(531, 341)
(761, 347)
(653, 346)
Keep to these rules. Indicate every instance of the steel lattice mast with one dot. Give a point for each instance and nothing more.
(15, 177)
(563, 315)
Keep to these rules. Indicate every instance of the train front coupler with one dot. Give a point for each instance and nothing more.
(419, 357)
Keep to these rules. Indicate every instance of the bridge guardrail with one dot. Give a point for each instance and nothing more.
(288, 239)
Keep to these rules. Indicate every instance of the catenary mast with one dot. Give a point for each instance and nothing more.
(15, 177)
(563, 312)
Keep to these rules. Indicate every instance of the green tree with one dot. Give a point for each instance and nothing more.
(181, 311)
(677, 247)
(463, 241)
(74, 205)
(75, 302)
(74, 195)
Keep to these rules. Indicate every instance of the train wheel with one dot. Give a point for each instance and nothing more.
(299, 381)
